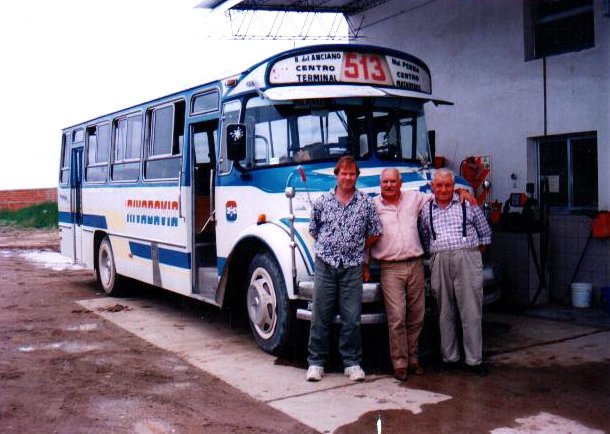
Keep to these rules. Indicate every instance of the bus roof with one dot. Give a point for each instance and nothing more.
(338, 70)
(321, 71)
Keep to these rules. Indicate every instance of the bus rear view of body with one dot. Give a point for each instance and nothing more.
(207, 192)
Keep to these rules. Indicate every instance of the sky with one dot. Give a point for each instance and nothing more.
(67, 61)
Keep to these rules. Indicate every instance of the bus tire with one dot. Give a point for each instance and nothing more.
(269, 312)
(107, 278)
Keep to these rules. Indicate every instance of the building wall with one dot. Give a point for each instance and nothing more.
(476, 52)
(16, 199)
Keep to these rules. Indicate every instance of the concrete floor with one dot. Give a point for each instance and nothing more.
(550, 372)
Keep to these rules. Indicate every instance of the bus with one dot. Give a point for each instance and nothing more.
(207, 192)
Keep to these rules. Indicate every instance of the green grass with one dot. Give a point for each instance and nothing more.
(40, 216)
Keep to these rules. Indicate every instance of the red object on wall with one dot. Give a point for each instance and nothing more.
(600, 225)
(476, 170)
(496, 212)
(438, 162)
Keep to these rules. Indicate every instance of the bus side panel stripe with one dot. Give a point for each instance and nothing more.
(65, 217)
(140, 250)
(174, 258)
(90, 220)
(166, 256)
(95, 221)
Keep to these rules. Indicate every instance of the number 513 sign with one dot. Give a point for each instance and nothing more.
(351, 67)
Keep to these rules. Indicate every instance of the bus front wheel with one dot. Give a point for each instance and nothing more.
(107, 278)
(269, 311)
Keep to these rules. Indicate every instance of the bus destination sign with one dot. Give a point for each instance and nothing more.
(351, 67)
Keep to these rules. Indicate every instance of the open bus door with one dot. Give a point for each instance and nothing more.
(76, 202)
(203, 139)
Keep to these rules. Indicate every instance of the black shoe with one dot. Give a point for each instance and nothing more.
(481, 369)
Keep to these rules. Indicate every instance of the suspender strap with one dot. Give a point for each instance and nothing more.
(432, 222)
(463, 221)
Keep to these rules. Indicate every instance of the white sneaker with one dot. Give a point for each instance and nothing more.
(314, 373)
(355, 373)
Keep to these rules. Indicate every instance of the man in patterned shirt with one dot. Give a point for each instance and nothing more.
(343, 221)
(456, 236)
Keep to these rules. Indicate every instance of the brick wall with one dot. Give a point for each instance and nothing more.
(17, 199)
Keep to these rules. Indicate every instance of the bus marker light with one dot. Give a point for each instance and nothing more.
(262, 218)
(231, 82)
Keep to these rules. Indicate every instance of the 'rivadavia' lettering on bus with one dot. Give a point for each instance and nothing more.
(153, 204)
(152, 212)
(152, 220)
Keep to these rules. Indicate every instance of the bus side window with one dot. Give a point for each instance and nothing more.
(98, 150)
(64, 176)
(127, 147)
(165, 126)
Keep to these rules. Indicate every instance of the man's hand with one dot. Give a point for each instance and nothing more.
(465, 195)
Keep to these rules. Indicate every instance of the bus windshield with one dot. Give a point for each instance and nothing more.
(289, 132)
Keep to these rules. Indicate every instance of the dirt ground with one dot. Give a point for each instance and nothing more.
(65, 370)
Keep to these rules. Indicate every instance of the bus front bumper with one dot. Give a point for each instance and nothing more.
(372, 303)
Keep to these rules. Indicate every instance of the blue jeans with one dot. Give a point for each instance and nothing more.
(345, 286)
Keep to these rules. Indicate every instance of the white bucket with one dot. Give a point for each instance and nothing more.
(581, 294)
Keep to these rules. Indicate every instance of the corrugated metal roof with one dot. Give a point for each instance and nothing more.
(347, 7)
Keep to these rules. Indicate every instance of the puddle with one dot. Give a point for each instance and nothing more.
(47, 259)
(68, 347)
(546, 422)
(82, 327)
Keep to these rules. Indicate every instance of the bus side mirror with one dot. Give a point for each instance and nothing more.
(236, 142)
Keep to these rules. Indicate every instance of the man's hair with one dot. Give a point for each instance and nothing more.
(443, 171)
(389, 169)
(347, 161)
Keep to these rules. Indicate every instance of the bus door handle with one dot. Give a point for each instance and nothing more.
(212, 196)
(180, 194)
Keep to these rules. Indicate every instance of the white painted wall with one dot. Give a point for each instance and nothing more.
(475, 50)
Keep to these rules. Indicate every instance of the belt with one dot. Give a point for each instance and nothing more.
(414, 258)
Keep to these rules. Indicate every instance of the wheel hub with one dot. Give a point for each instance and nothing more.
(262, 303)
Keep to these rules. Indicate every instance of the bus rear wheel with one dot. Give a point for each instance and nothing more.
(269, 310)
(107, 278)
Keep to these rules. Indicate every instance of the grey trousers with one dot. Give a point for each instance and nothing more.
(457, 284)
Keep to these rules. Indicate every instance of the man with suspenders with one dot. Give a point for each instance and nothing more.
(456, 235)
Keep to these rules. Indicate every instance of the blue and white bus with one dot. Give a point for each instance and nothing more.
(207, 192)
